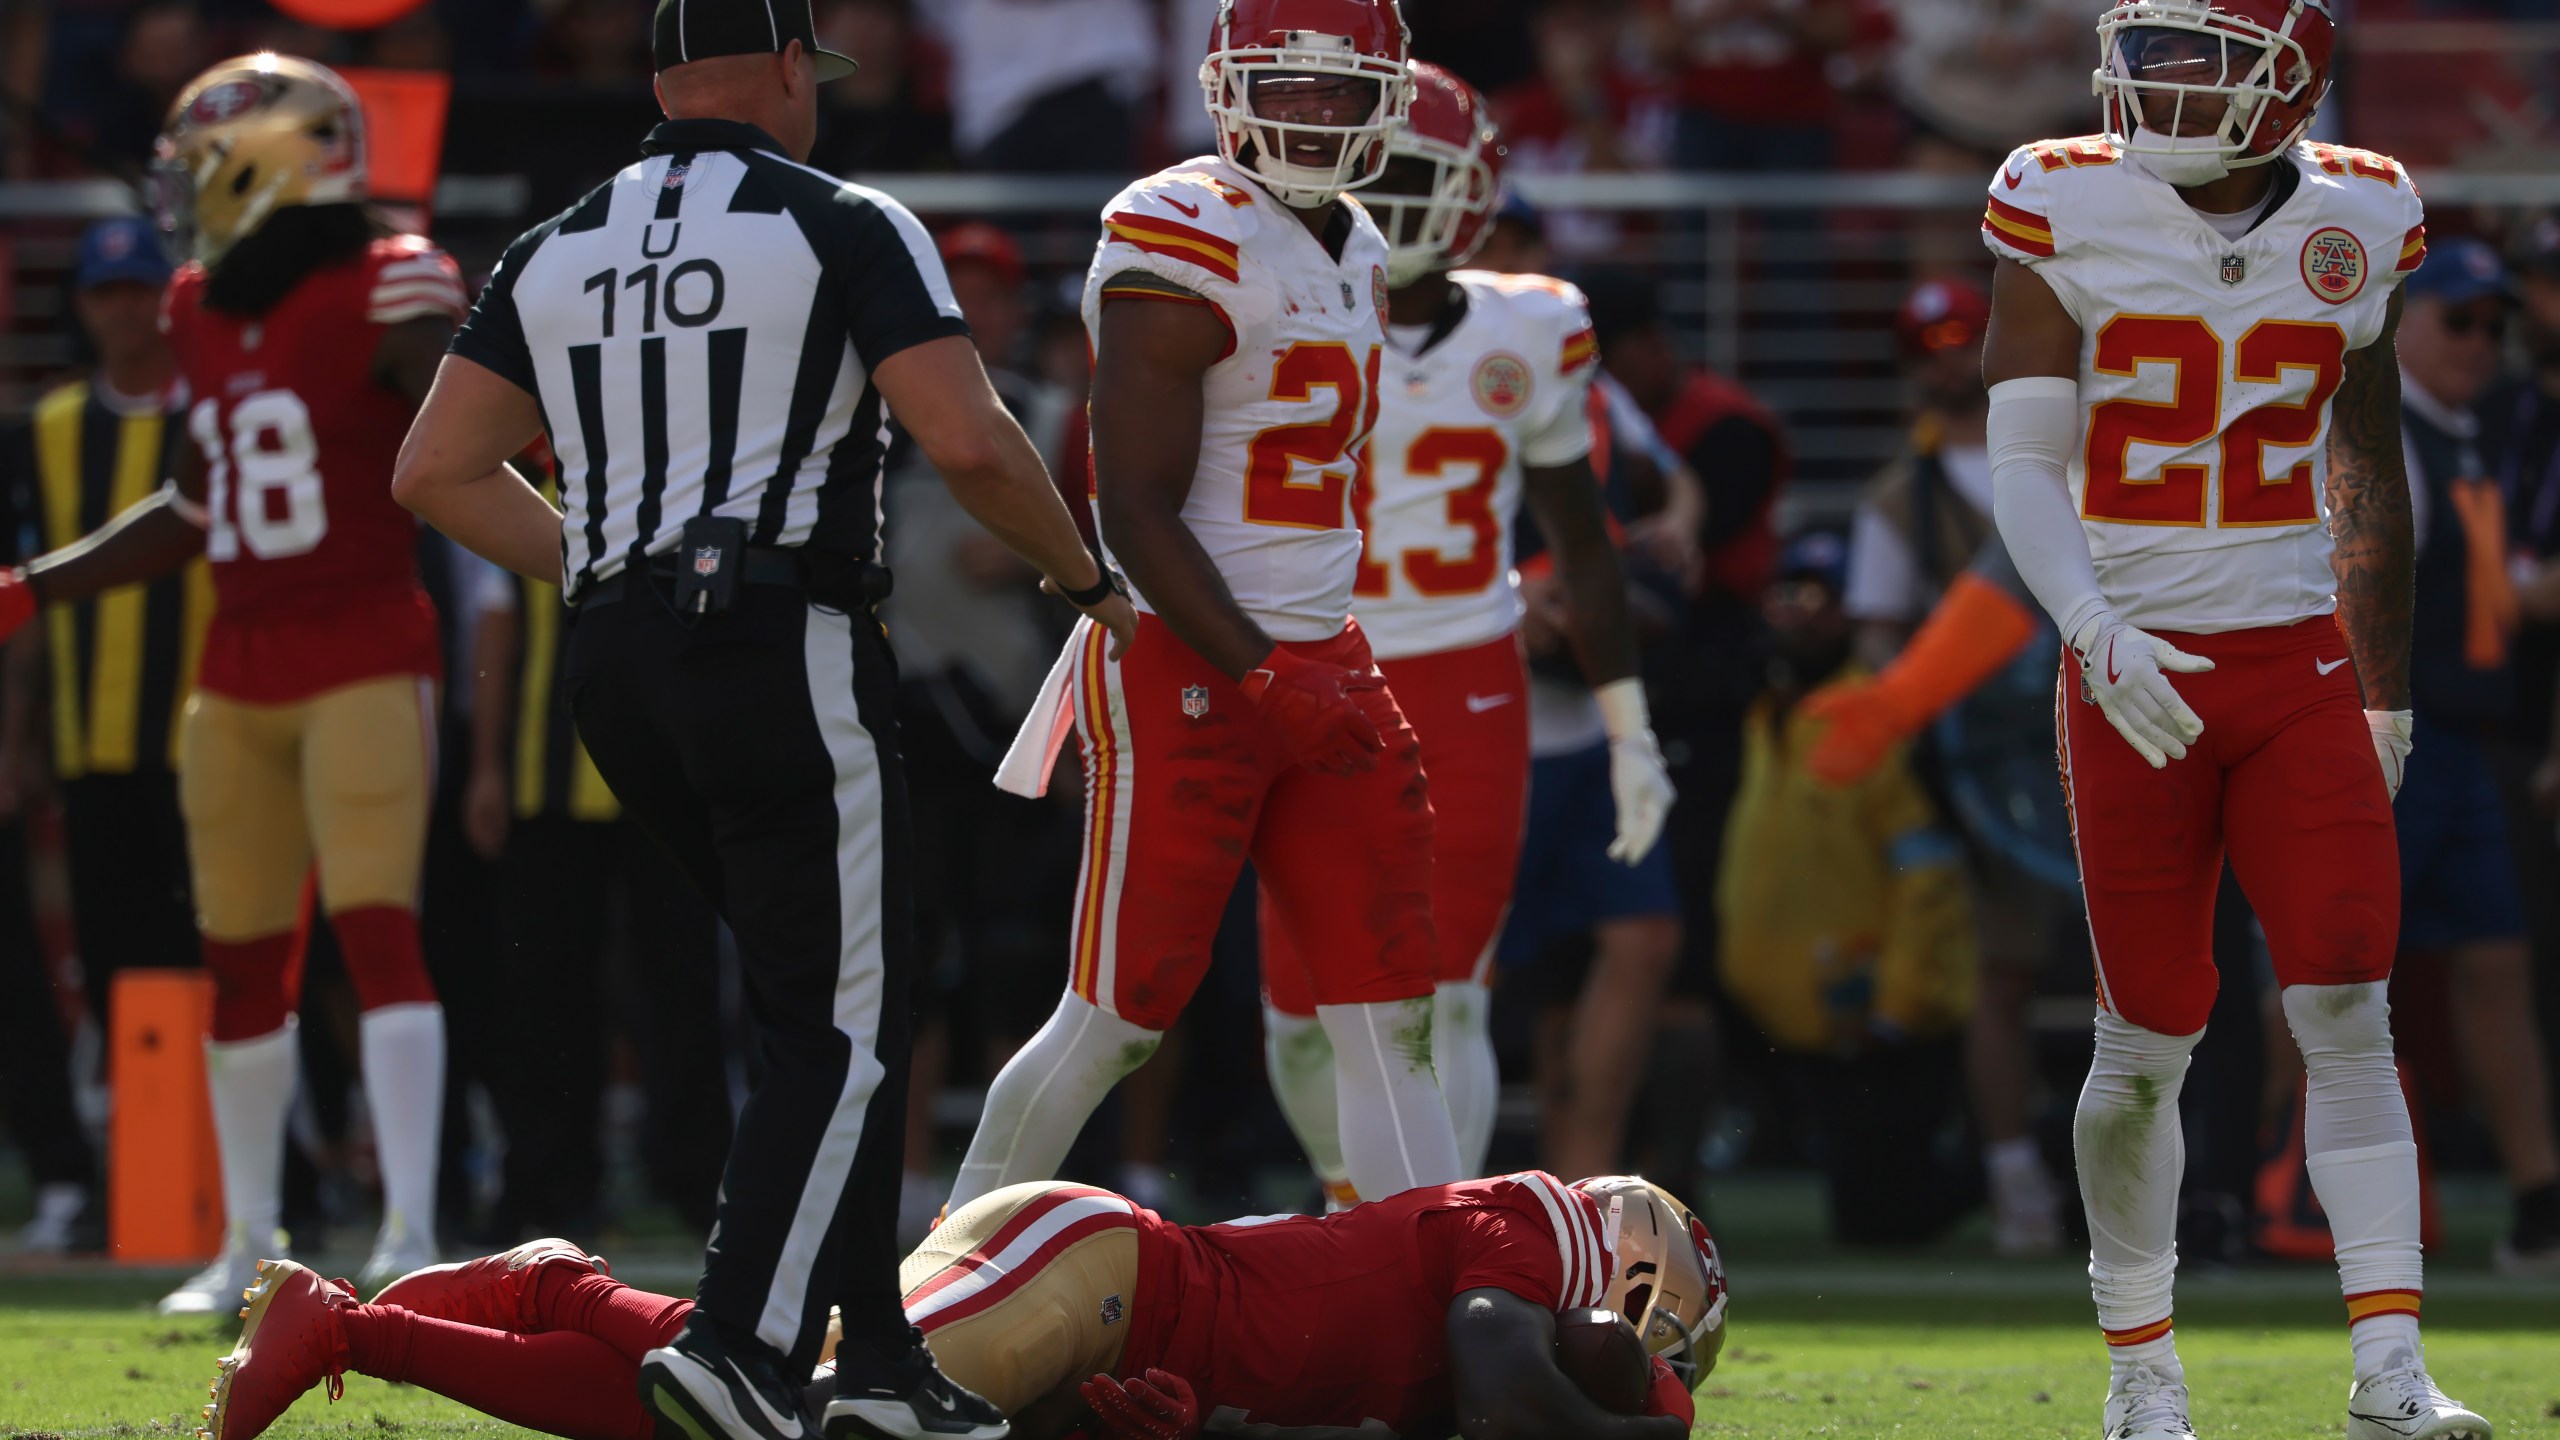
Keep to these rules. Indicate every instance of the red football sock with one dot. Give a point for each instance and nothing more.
(562, 1384)
(632, 1322)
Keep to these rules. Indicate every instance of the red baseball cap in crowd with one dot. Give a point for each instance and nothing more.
(986, 245)
(1941, 314)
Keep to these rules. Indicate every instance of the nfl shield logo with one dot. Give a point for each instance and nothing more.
(2235, 268)
(1348, 302)
(706, 560)
(1111, 1310)
(1195, 700)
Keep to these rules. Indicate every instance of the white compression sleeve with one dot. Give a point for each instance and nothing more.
(2126, 1139)
(1045, 1093)
(1395, 1127)
(1470, 1077)
(2032, 425)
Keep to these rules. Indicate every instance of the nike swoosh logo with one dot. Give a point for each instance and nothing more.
(2325, 666)
(1191, 210)
(2111, 662)
(772, 1417)
(1478, 704)
(2014, 177)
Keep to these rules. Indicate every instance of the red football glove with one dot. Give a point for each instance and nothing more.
(1668, 1396)
(1158, 1407)
(1317, 710)
(17, 601)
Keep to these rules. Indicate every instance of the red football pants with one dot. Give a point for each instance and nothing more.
(1184, 782)
(2284, 777)
(1470, 710)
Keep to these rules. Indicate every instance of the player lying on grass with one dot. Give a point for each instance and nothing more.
(1432, 1313)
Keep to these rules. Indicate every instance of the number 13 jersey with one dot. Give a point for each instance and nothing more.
(2207, 366)
(1505, 388)
(315, 571)
(1289, 404)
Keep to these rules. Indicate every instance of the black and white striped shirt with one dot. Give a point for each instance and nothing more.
(701, 332)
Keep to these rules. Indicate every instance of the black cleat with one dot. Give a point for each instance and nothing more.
(713, 1384)
(908, 1398)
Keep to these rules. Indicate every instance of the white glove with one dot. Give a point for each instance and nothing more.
(2390, 744)
(1638, 779)
(2121, 667)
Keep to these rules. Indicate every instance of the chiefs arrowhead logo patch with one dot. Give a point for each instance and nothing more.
(1502, 385)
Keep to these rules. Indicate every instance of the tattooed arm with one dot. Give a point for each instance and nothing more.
(2369, 519)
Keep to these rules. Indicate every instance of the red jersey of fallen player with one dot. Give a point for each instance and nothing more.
(315, 571)
(1341, 1319)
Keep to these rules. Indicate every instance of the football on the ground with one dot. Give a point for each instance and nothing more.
(1600, 1352)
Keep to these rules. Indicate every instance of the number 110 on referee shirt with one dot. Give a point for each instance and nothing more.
(689, 294)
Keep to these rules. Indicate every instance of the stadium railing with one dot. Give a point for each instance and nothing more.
(1788, 281)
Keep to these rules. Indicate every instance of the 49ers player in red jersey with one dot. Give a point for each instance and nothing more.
(1237, 308)
(1482, 402)
(307, 337)
(1429, 1314)
(2196, 467)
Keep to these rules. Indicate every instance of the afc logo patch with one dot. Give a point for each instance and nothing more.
(706, 560)
(1195, 703)
(2333, 265)
(1111, 1310)
(1502, 385)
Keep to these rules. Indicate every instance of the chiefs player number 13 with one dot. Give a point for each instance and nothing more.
(270, 455)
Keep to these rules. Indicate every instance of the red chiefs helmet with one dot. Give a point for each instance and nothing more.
(2204, 87)
(1305, 92)
(1443, 179)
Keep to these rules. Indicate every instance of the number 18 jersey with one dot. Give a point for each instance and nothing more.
(2207, 366)
(1502, 390)
(315, 572)
(1289, 404)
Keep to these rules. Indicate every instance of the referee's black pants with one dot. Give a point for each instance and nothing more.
(760, 746)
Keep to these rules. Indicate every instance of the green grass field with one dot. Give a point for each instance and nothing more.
(1821, 1344)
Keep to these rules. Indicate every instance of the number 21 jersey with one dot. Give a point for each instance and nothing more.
(1288, 406)
(2207, 366)
(315, 571)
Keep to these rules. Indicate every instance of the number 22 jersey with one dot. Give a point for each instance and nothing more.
(1287, 408)
(315, 571)
(2207, 366)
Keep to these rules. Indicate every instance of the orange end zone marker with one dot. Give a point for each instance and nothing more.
(164, 1176)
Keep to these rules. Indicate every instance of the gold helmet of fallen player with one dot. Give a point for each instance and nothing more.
(1668, 1280)
(249, 137)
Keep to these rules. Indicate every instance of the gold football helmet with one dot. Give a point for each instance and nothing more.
(249, 137)
(1668, 1280)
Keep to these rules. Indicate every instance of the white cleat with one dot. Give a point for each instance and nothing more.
(2404, 1404)
(396, 1252)
(2149, 1406)
(217, 1288)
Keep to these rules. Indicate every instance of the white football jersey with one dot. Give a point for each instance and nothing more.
(1290, 405)
(1504, 389)
(2207, 366)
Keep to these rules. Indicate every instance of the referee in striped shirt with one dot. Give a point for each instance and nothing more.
(712, 341)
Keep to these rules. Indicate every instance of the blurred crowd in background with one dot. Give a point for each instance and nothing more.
(1885, 981)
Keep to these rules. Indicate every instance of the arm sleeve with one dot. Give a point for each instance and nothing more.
(492, 335)
(897, 295)
(2033, 423)
(1558, 429)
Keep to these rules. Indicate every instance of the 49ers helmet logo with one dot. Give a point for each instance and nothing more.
(1502, 385)
(2333, 265)
(224, 101)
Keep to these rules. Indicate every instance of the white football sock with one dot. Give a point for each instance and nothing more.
(1299, 1056)
(1470, 1078)
(1395, 1127)
(1041, 1099)
(2363, 1159)
(404, 1089)
(2129, 1149)
(251, 1082)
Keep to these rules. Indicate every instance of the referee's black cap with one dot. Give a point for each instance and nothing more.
(689, 30)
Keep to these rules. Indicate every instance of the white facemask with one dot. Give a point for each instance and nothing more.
(2182, 160)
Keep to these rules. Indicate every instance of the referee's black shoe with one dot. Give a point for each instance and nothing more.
(713, 1383)
(908, 1398)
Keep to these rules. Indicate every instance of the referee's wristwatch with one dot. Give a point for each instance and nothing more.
(1100, 590)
